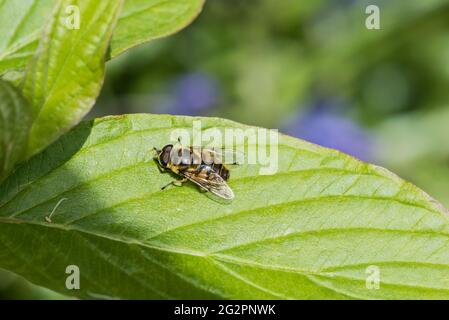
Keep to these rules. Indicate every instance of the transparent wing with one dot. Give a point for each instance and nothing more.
(209, 180)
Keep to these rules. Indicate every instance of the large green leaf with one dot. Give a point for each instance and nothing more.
(312, 230)
(141, 20)
(15, 123)
(64, 79)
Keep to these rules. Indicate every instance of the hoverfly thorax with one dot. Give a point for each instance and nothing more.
(183, 156)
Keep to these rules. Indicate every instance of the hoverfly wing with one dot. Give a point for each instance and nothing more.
(209, 180)
(222, 190)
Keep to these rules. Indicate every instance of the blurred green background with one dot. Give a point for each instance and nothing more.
(309, 68)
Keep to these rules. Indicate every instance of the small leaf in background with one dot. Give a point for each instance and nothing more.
(64, 79)
(316, 229)
(15, 123)
(425, 161)
(145, 20)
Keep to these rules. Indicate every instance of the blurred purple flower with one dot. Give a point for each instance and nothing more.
(323, 126)
(193, 93)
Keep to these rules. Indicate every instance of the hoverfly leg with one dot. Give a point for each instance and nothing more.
(177, 183)
(167, 185)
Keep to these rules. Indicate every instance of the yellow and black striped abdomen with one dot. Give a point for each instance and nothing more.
(221, 170)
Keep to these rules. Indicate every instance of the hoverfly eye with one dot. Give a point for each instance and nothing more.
(167, 148)
(165, 158)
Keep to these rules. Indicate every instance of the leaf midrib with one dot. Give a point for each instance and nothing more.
(241, 179)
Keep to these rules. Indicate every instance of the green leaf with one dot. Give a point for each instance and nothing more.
(141, 21)
(21, 23)
(312, 230)
(15, 123)
(145, 20)
(65, 77)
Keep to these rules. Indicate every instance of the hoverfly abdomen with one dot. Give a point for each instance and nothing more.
(224, 173)
(221, 170)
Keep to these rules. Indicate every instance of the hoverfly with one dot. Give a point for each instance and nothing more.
(203, 166)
